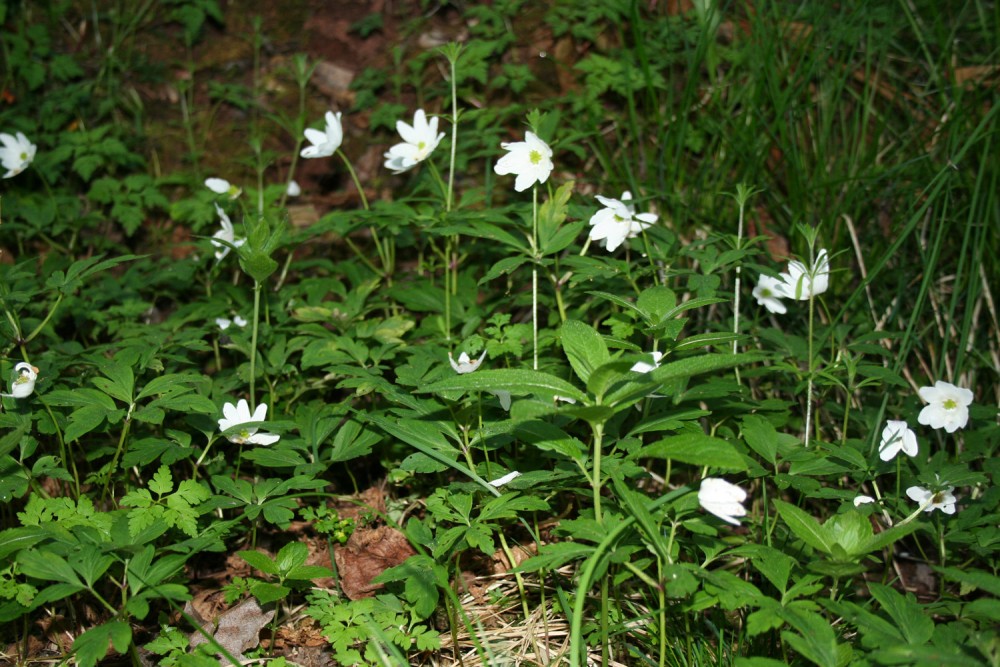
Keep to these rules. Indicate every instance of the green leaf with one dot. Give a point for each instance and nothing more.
(92, 645)
(48, 566)
(675, 370)
(817, 641)
(308, 573)
(259, 561)
(516, 381)
(13, 540)
(805, 527)
(265, 592)
(761, 437)
(907, 615)
(697, 449)
(291, 556)
(584, 348)
(162, 482)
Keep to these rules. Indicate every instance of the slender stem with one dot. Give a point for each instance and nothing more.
(253, 343)
(48, 317)
(596, 481)
(534, 274)
(118, 451)
(736, 297)
(809, 386)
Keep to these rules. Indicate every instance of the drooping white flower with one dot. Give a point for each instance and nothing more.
(465, 364)
(769, 292)
(419, 141)
(239, 414)
(947, 406)
(224, 322)
(863, 500)
(897, 437)
(509, 477)
(293, 189)
(801, 282)
(16, 154)
(227, 234)
(325, 143)
(530, 160)
(618, 221)
(723, 499)
(22, 382)
(221, 186)
(930, 501)
(644, 367)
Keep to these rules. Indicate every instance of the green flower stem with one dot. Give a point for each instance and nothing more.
(253, 344)
(63, 448)
(517, 575)
(809, 384)
(534, 274)
(52, 311)
(383, 251)
(736, 289)
(118, 451)
(595, 482)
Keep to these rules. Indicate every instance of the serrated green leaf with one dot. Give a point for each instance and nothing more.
(92, 645)
(916, 626)
(290, 556)
(584, 348)
(162, 482)
(805, 527)
(259, 561)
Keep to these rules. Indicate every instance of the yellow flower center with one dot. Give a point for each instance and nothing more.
(24, 156)
(421, 146)
(938, 498)
(535, 157)
(950, 404)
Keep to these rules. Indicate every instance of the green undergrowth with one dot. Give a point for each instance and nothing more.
(680, 420)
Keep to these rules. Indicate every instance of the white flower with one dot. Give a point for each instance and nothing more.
(16, 154)
(930, 501)
(23, 380)
(643, 367)
(947, 406)
(618, 221)
(897, 437)
(224, 322)
(769, 292)
(722, 499)
(227, 234)
(509, 477)
(465, 364)
(223, 187)
(800, 283)
(293, 189)
(863, 500)
(530, 160)
(236, 415)
(419, 141)
(325, 143)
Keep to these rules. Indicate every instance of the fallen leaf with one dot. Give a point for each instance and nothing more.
(366, 555)
(237, 629)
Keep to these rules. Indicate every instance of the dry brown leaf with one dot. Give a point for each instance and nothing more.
(238, 628)
(366, 555)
